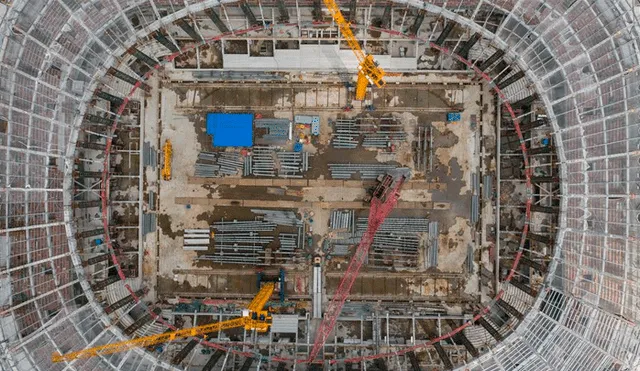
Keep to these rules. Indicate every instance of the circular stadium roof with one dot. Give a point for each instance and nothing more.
(580, 58)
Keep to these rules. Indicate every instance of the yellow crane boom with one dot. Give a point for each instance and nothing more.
(254, 319)
(368, 69)
(166, 167)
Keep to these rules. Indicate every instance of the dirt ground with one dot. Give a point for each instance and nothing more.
(182, 118)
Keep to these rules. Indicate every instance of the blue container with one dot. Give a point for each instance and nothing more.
(453, 116)
(297, 147)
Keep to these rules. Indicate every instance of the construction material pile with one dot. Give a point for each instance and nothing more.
(273, 237)
(366, 171)
(397, 243)
(269, 162)
(218, 164)
(368, 132)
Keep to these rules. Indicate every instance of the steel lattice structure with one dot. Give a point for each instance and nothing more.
(580, 60)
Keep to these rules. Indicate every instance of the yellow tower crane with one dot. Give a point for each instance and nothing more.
(368, 69)
(168, 153)
(254, 317)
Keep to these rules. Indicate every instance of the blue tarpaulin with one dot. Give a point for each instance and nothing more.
(453, 116)
(230, 129)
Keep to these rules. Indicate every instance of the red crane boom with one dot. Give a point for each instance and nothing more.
(383, 201)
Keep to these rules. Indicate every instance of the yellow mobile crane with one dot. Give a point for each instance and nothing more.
(167, 149)
(368, 69)
(254, 317)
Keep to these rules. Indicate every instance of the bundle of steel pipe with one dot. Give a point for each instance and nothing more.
(206, 170)
(432, 250)
(242, 259)
(244, 238)
(340, 250)
(377, 133)
(262, 161)
(279, 217)
(292, 164)
(288, 242)
(366, 171)
(342, 220)
(240, 226)
(215, 164)
(397, 225)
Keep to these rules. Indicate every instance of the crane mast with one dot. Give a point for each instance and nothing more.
(368, 70)
(383, 201)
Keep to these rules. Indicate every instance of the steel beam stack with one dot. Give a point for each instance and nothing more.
(217, 164)
(246, 241)
(381, 133)
(292, 164)
(262, 161)
(269, 162)
(279, 217)
(423, 159)
(196, 239)
(432, 249)
(397, 241)
(342, 220)
(345, 134)
(278, 131)
(366, 171)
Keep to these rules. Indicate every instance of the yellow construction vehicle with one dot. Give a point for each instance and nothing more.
(368, 69)
(168, 153)
(254, 317)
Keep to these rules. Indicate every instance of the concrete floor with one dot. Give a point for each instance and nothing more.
(443, 194)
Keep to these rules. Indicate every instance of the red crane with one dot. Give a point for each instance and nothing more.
(383, 200)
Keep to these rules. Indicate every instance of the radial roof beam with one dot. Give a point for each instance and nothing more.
(464, 49)
(490, 329)
(124, 301)
(246, 9)
(443, 356)
(385, 22)
(283, 11)
(445, 32)
(143, 57)
(317, 10)
(525, 101)
(352, 11)
(215, 18)
(184, 352)
(511, 79)
(247, 364)
(164, 40)
(146, 318)
(215, 357)
(116, 101)
(417, 23)
(127, 78)
(415, 364)
(189, 29)
(491, 60)
(97, 259)
(544, 209)
(533, 264)
(510, 309)
(104, 283)
(461, 337)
